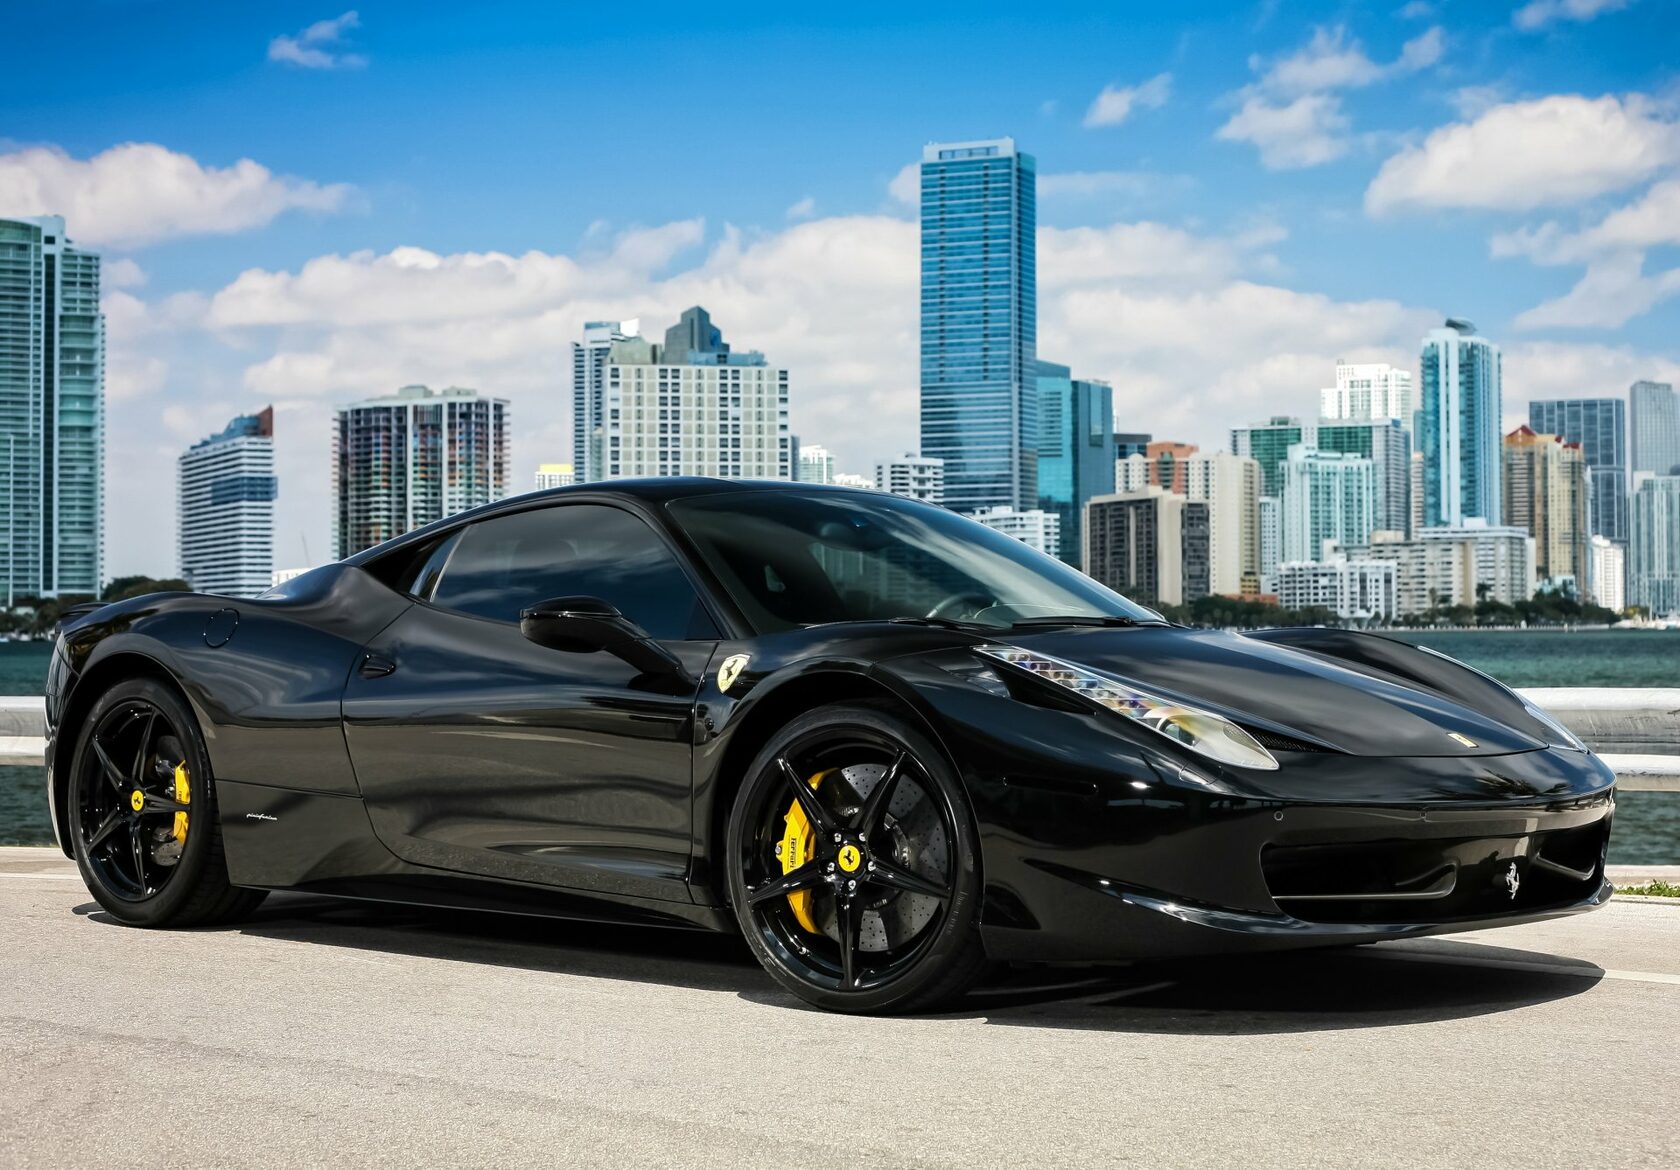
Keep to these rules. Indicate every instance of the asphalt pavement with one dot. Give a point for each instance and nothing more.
(333, 1033)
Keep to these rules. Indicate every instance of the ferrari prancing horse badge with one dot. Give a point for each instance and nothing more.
(731, 670)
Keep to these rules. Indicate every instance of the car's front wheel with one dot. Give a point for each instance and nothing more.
(853, 864)
(143, 813)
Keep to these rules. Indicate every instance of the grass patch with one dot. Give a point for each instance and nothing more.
(1655, 889)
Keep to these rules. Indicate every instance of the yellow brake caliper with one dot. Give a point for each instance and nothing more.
(798, 847)
(183, 795)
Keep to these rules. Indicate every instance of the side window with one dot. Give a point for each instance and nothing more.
(500, 566)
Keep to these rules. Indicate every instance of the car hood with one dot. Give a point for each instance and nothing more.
(1285, 691)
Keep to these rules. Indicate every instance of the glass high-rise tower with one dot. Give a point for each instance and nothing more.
(1600, 426)
(1654, 427)
(1076, 451)
(1458, 426)
(226, 491)
(52, 413)
(980, 322)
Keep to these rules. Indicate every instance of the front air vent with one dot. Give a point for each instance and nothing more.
(1272, 741)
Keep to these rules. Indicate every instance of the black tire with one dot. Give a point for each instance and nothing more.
(913, 850)
(141, 862)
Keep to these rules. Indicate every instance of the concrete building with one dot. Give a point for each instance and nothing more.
(1548, 492)
(851, 480)
(1609, 574)
(554, 475)
(1150, 545)
(816, 464)
(1270, 542)
(225, 492)
(920, 477)
(1653, 428)
(1414, 511)
(1131, 443)
(412, 457)
(1446, 566)
(979, 335)
(1653, 564)
(1036, 528)
(1230, 486)
(1459, 426)
(693, 406)
(1356, 589)
(1368, 392)
(1600, 426)
(1388, 445)
(589, 394)
(1076, 449)
(52, 413)
(1268, 445)
(1327, 495)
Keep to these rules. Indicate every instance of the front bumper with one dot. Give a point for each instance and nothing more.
(1167, 872)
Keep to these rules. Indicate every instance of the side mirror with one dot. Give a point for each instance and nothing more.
(585, 625)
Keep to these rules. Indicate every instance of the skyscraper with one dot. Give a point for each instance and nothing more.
(1600, 426)
(1035, 528)
(52, 412)
(1076, 450)
(412, 457)
(1653, 427)
(589, 394)
(1459, 425)
(1609, 574)
(1268, 445)
(1386, 443)
(980, 321)
(1230, 486)
(1548, 492)
(1653, 563)
(1326, 496)
(694, 407)
(816, 464)
(226, 491)
(1369, 391)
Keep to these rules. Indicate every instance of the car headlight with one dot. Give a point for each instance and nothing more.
(1203, 732)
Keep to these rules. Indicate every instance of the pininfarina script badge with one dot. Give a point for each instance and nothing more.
(731, 670)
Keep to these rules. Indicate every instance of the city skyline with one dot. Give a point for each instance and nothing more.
(1184, 257)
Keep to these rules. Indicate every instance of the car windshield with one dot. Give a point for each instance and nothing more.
(804, 558)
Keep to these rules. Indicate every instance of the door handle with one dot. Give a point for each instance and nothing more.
(376, 666)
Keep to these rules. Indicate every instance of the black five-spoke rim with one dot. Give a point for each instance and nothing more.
(129, 830)
(860, 863)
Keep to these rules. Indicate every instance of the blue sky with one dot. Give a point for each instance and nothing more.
(1233, 196)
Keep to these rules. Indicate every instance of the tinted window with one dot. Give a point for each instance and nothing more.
(500, 566)
(791, 558)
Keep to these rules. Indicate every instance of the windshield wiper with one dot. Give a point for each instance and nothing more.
(943, 623)
(1113, 621)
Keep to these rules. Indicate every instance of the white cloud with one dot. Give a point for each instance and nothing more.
(1652, 220)
(1128, 185)
(141, 192)
(1540, 13)
(121, 272)
(1115, 103)
(1521, 155)
(1293, 113)
(906, 186)
(1416, 10)
(1305, 132)
(1611, 292)
(803, 209)
(319, 45)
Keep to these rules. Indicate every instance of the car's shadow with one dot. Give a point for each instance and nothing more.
(1394, 983)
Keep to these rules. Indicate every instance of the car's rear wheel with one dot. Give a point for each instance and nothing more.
(143, 813)
(853, 864)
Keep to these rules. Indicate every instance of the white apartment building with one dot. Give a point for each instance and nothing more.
(1444, 566)
(1374, 391)
(225, 495)
(1033, 527)
(554, 475)
(1609, 573)
(1327, 495)
(1270, 541)
(693, 407)
(1360, 589)
(921, 477)
(1230, 486)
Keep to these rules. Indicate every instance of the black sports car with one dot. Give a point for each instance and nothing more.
(884, 743)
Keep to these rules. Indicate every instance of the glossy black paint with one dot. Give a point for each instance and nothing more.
(370, 744)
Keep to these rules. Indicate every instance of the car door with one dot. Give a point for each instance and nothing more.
(480, 751)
